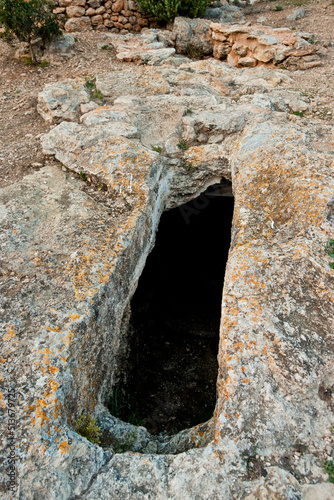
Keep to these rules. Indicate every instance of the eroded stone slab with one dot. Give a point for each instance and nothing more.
(72, 258)
(250, 46)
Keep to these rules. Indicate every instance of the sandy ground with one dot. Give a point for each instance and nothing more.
(21, 126)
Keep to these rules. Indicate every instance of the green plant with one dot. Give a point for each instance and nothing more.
(44, 64)
(330, 250)
(90, 82)
(91, 86)
(187, 112)
(167, 10)
(86, 427)
(116, 403)
(188, 166)
(82, 175)
(76, 39)
(329, 468)
(158, 149)
(182, 145)
(311, 40)
(278, 8)
(28, 20)
(105, 47)
(298, 113)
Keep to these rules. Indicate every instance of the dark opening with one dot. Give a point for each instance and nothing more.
(171, 383)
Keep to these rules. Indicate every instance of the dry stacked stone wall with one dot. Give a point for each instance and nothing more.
(117, 16)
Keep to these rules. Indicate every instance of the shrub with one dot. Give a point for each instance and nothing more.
(29, 19)
(167, 10)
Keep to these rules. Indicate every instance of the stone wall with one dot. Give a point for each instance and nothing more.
(117, 16)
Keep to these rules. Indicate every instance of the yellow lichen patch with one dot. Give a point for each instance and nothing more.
(68, 339)
(53, 385)
(46, 360)
(53, 369)
(64, 447)
(40, 413)
(2, 401)
(56, 329)
(74, 317)
(10, 333)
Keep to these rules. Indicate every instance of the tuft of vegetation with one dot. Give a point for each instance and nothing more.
(329, 468)
(28, 20)
(189, 168)
(167, 10)
(298, 113)
(330, 250)
(278, 8)
(182, 145)
(158, 149)
(86, 427)
(188, 111)
(90, 82)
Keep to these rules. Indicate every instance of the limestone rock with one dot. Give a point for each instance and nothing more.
(325, 491)
(142, 81)
(225, 14)
(63, 47)
(151, 47)
(78, 24)
(61, 101)
(259, 45)
(74, 245)
(75, 11)
(118, 6)
(297, 14)
(192, 36)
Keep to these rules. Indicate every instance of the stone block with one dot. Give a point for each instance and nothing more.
(96, 20)
(100, 10)
(117, 6)
(78, 24)
(75, 11)
(94, 3)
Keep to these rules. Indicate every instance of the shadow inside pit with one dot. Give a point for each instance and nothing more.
(174, 326)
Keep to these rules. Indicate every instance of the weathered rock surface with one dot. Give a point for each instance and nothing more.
(62, 101)
(192, 36)
(261, 45)
(151, 47)
(63, 47)
(72, 255)
(225, 14)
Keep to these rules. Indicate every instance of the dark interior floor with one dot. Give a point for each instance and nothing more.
(175, 318)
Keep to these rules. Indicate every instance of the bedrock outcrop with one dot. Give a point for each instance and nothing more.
(74, 242)
(250, 46)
